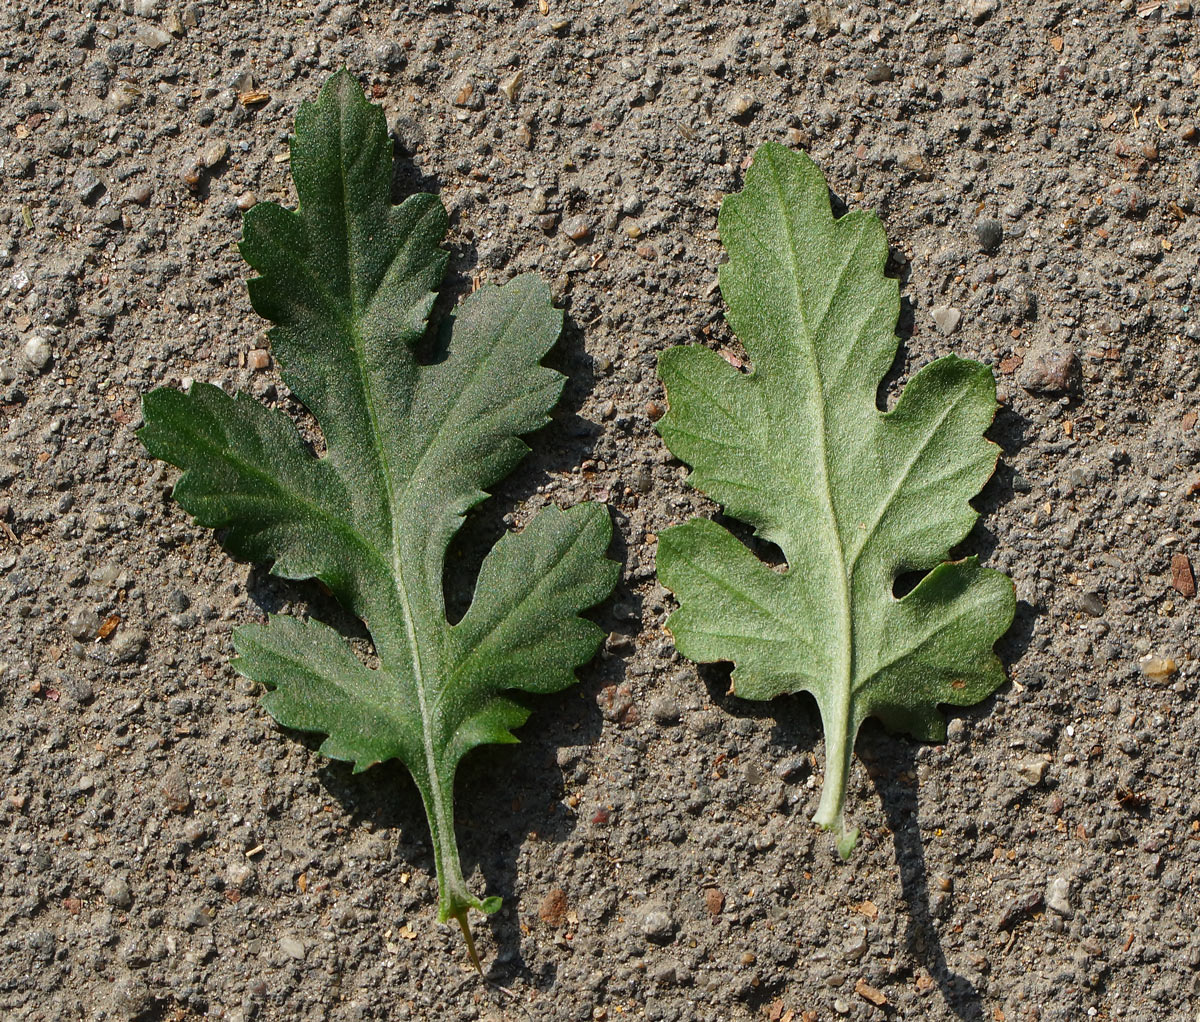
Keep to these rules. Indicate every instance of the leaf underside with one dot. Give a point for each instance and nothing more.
(348, 280)
(853, 496)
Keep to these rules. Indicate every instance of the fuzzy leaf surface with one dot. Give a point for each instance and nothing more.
(349, 280)
(852, 496)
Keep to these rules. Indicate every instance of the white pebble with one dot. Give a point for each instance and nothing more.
(947, 318)
(37, 352)
(1058, 897)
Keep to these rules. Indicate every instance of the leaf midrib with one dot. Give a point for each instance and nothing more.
(398, 581)
(845, 639)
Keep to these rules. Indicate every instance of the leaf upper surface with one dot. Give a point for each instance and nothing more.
(853, 496)
(349, 280)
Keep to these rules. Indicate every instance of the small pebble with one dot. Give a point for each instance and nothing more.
(214, 153)
(88, 187)
(511, 87)
(577, 228)
(175, 791)
(151, 37)
(117, 893)
(129, 646)
(1090, 603)
(464, 94)
(1021, 907)
(979, 10)
(553, 909)
(292, 947)
(855, 947)
(878, 73)
(140, 194)
(1054, 371)
(1031, 771)
(947, 318)
(83, 624)
(714, 901)
(192, 175)
(197, 916)
(1156, 668)
(131, 997)
(615, 702)
(741, 106)
(109, 216)
(195, 831)
(619, 643)
(664, 710)
(1147, 249)
(37, 352)
(989, 233)
(390, 55)
(958, 55)
(258, 359)
(246, 201)
(238, 875)
(1058, 897)
(1183, 579)
(657, 924)
(792, 769)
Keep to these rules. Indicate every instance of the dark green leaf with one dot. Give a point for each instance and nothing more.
(348, 280)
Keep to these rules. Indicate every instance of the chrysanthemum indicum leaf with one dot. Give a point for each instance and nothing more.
(348, 280)
(853, 496)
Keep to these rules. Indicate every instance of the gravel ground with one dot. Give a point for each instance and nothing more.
(167, 853)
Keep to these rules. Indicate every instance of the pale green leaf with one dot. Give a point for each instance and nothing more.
(348, 280)
(852, 496)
